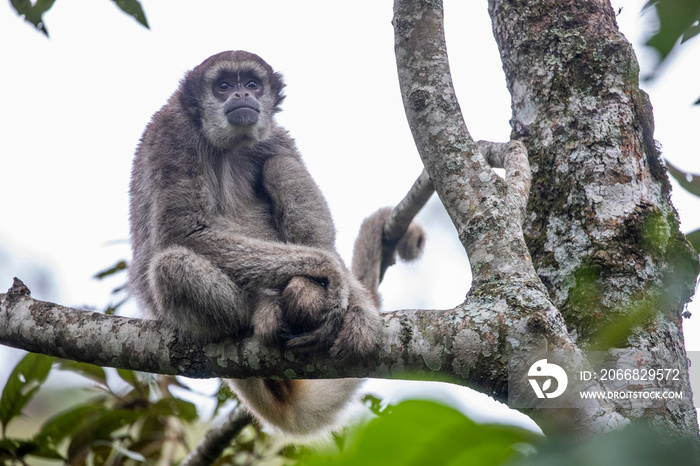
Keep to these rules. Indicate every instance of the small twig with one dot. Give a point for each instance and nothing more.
(217, 438)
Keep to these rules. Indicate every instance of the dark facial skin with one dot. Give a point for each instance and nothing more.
(240, 93)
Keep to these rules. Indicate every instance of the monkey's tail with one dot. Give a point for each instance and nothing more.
(372, 254)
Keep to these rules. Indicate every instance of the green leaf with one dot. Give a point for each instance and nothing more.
(100, 427)
(175, 407)
(691, 32)
(694, 239)
(13, 448)
(632, 446)
(90, 371)
(133, 8)
(44, 451)
(22, 384)
(33, 13)
(677, 19)
(424, 432)
(374, 404)
(116, 268)
(130, 377)
(66, 423)
(688, 181)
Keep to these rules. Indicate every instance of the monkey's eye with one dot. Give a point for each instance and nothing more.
(224, 86)
(251, 84)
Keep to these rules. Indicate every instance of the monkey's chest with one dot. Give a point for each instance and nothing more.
(253, 218)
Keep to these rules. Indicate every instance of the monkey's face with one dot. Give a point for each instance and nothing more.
(234, 95)
(240, 94)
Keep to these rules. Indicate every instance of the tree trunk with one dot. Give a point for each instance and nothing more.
(600, 227)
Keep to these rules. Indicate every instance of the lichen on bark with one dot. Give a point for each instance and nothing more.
(600, 226)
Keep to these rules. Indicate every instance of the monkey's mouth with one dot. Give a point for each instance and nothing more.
(243, 116)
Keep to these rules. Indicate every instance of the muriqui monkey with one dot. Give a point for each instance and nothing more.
(230, 235)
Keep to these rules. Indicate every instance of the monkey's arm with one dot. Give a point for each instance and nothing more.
(303, 217)
(300, 211)
(253, 263)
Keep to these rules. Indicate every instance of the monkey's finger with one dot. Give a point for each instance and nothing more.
(323, 336)
(286, 336)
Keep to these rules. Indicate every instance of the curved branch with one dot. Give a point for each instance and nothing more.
(486, 211)
(512, 156)
(217, 438)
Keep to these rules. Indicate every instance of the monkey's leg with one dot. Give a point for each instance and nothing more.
(191, 294)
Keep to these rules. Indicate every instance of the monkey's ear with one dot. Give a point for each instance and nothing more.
(277, 84)
(189, 93)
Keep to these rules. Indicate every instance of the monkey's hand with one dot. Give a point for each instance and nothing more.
(307, 311)
(360, 334)
(313, 310)
(325, 309)
(317, 319)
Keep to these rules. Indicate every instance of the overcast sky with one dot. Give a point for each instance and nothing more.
(73, 107)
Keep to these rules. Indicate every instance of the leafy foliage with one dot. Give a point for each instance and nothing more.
(424, 432)
(136, 424)
(142, 424)
(691, 183)
(678, 19)
(632, 446)
(33, 12)
(22, 385)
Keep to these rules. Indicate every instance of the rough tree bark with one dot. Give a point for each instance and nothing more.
(601, 229)
(601, 250)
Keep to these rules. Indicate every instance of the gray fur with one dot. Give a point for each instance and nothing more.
(231, 236)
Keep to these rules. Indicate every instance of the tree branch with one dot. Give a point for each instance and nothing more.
(145, 345)
(217, 438)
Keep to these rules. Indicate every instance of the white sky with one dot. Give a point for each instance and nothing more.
(72, 109)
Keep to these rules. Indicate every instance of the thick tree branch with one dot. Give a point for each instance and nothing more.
(450, 344)
(144, 345)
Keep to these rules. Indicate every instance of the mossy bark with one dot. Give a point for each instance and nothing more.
(601, 229)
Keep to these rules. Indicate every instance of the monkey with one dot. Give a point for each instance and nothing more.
(231, 237)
